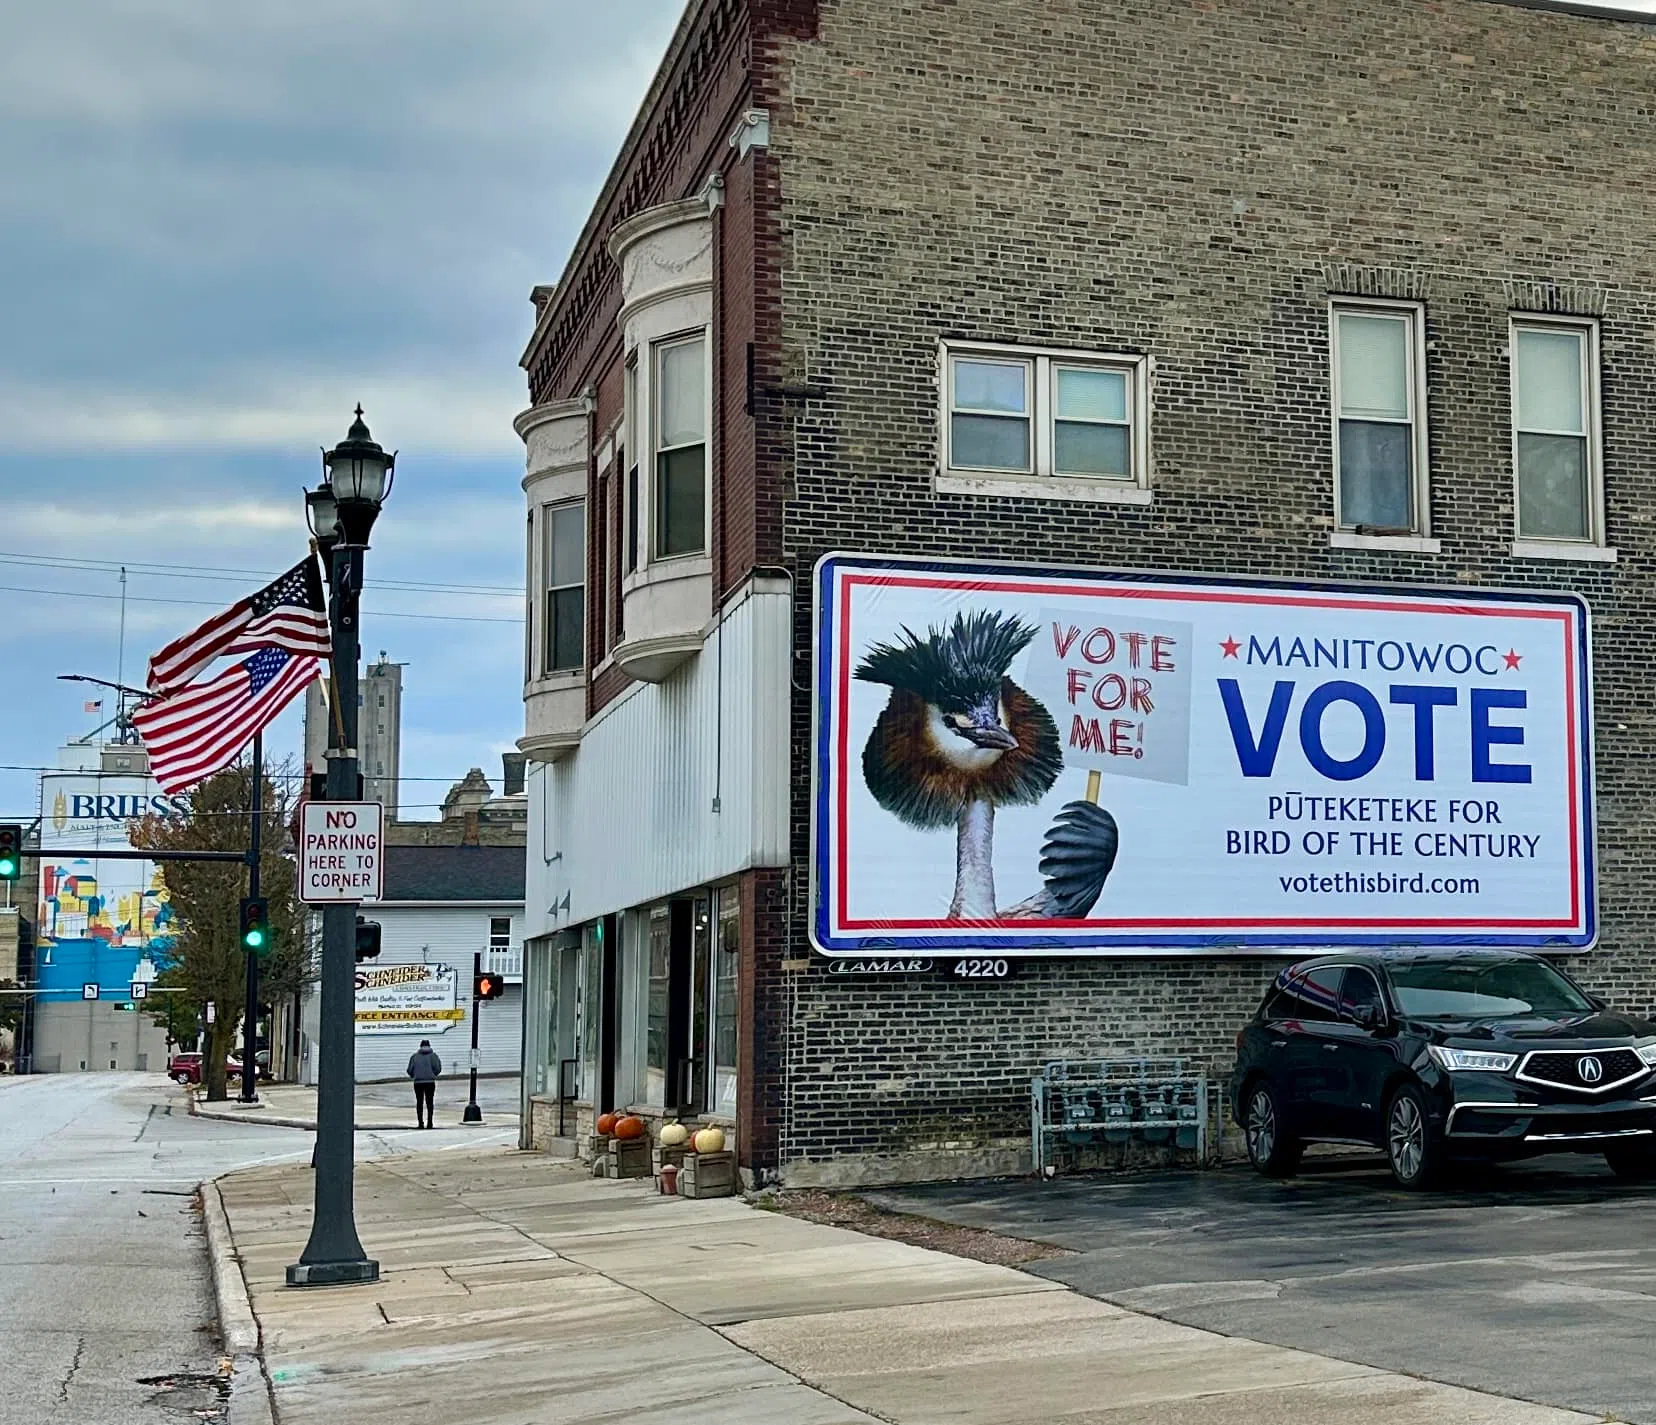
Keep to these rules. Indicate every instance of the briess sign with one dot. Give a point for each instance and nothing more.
(1023, 760)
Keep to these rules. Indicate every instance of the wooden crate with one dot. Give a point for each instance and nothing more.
(628, 1158)
(708, 1175)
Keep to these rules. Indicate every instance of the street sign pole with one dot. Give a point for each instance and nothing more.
(473, 1113)
(334, 1254)
(250, 1013)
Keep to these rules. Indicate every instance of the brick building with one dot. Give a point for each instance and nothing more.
(1296, 290)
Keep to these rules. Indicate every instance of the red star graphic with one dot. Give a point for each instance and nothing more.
(1512, 659)
(1230, 645)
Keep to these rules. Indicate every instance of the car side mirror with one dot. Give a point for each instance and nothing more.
(1367, 1016)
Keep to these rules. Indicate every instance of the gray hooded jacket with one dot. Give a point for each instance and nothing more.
(424, 1067)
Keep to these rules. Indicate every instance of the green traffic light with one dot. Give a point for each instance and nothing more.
(254, 939)
(8, 868)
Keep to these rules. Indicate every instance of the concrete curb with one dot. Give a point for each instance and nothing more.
(309, 1124)
(250, 1396)
(241, 1331)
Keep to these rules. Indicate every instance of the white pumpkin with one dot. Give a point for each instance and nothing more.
(710, 1140)
(673, 1134)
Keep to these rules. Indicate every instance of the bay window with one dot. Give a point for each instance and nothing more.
(563, 540)
(679, 495)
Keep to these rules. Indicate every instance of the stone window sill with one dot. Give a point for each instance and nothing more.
(1042, 487)
(1563, 549)
(1397, 543)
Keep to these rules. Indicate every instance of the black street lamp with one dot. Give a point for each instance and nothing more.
(357, 478)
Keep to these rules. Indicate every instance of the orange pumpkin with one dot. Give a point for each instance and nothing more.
(629, 1127)
(606, 1124)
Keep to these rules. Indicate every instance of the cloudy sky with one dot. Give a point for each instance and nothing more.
(220, 228)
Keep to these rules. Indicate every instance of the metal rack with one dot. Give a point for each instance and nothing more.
(1078, 1104)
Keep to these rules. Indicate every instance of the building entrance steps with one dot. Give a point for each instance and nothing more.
(518, 1289)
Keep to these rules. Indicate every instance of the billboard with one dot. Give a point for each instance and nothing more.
(113, 905)
(407, 999)
(1053, 762)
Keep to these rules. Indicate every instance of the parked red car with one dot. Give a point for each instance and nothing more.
(185, 1067)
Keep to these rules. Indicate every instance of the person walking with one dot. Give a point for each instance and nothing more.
(425, 1068)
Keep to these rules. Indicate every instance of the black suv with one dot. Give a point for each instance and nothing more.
(1490, 1054)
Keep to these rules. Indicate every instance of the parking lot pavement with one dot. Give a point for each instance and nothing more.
(1536, 1280)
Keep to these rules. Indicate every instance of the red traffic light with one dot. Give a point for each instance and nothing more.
(488, 987)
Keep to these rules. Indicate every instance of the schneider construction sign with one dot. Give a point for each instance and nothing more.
(407, 999)
(341, 852)
(1034, 761)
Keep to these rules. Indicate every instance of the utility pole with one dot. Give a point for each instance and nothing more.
(473, 1113)
(250, 1021)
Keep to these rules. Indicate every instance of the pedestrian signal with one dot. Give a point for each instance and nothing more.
(367, 939)
(488, 986)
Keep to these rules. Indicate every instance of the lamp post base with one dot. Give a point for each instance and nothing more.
(332, 1273)
(473, 1114)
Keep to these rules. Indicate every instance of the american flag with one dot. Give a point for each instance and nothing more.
(202, 729)
(287, 613)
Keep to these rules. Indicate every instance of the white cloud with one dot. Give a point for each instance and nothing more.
(463, 413)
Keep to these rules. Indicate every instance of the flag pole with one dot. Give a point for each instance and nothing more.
(250, 1021)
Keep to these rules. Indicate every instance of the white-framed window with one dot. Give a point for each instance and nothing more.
(563, 542)
(1377, 354)
(1045, 414)
(678, 494)
(1556, 458)
(631, 444)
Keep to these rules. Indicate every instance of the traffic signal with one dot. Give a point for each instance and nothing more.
(367, 939)
(488, 986)
(255, 925)
(11, 852)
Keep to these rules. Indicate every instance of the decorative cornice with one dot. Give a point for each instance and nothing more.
(525, 421)
(654, 220)
(679, 83)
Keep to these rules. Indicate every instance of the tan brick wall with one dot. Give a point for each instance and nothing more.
(1195, 181)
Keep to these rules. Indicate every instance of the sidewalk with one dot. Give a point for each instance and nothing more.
(516, 1290)
(380, 1108)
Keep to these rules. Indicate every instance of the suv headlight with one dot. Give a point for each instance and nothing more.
(1473, 1060)
(1647, 1052)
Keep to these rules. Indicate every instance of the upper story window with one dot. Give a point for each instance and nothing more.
(563, 538)
(679, 495)
(1555, 440)
(630, 448)
(1045, 414)
(1379, 417)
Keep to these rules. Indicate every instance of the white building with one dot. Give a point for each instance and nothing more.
(442, 906)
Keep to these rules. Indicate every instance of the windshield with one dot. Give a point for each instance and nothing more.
(1484, 989)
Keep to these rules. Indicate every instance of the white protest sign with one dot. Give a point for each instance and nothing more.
(341, 857)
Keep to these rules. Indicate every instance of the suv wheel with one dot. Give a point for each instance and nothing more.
(1633, 1162)
(1412, 1146)
(1271, 1149)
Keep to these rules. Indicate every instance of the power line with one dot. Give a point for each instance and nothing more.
(214, 603)
(270, 774)
(229, 575)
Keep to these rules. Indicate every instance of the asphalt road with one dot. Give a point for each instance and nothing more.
(104, 1291)
(1536, 1281)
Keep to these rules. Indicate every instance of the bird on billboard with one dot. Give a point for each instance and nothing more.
(958, 738)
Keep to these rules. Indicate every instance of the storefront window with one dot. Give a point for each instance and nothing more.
(724, 1003)
(655, 1050)
(587, 1011)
